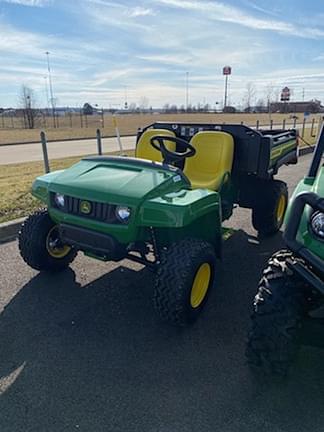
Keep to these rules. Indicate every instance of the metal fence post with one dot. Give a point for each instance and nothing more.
(271, 124)
(303, 129)
(284, 124)
(44, 148)
(312, 127)
(99, 142)
(257, 124)
(295, 121)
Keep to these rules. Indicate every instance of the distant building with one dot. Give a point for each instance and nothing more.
(312, 106)
(87, 109)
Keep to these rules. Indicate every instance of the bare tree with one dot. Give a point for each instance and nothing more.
(27, 102)
(132, 107)
(270, 96)
(250, 91)
(261, 106)
(144, 103)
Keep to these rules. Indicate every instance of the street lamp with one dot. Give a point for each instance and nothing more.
(51, 88)
(187, 90)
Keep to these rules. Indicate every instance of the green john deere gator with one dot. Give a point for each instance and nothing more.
(288, 308)
(164, 208)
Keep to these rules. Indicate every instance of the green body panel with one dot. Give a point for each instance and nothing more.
(281, 150)
(305, 236)
(158, 197)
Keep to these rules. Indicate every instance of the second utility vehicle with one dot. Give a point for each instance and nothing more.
(164, 208)
(291, 291)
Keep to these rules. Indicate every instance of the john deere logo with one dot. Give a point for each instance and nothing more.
(85, 207)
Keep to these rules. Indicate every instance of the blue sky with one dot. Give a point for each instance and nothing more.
(102, 49)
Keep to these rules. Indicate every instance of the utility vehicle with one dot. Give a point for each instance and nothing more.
(290, 299)
(164, 208)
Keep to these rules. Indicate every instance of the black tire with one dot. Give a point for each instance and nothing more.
(175, 277)
(32, 241)
(278, 309)
(265, 214)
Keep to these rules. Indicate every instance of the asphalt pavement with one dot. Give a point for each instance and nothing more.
(83, 350)
(16, 153)
(28, 152)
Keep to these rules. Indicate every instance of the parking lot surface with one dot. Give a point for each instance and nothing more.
(84, 351)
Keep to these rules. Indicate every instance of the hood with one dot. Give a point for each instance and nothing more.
(116, 180)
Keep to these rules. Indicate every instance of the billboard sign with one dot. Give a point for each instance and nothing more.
(285, 94)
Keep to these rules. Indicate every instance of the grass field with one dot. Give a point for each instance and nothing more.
(128, 124)
(15, 199)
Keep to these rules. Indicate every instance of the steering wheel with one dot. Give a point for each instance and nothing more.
(169, 157)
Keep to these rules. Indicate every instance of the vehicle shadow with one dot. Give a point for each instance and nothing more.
(96, 358)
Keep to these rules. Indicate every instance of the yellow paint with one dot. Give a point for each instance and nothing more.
(200, 285)
(144, 149)
(281, 208)
(213, 159)
(55, 251)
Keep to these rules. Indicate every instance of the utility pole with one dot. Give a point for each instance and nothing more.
(46, 92)
(187, 91)
(227, 70)
(126, 103)
(303, 94)
(51, 88)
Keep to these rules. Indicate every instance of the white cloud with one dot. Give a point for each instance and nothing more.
(222, 12)
(140, 11)
(32, 3)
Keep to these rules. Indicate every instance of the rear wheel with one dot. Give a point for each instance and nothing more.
(269, 212)
(278, 309)
(184, 279)
(40, 245)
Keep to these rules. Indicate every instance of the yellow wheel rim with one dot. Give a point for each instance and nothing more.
(281, 208)
(53, 246)
(200, 285)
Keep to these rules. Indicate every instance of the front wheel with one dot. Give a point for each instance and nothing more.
(269, 212)
(278, 309)
(40, 245)
(184, 279)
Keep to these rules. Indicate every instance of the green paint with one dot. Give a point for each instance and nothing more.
(158, 198)
(305, 235)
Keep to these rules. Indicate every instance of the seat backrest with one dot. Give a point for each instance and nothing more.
(213, 159)
(144, 149)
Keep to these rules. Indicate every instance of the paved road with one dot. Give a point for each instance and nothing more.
(60, 149)
(10, 154)
(84, 351)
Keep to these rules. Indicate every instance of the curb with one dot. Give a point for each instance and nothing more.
(306, 150)
(9, 230)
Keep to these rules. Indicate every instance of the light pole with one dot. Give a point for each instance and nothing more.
(46, 93)
(126, 102)
(227, 70)
(51, 88)
(187, 90)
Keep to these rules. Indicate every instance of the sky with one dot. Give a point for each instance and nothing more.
(105, 51)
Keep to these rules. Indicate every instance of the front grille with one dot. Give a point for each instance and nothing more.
(99, 211)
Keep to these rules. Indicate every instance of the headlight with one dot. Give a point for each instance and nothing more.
(317, 224)
(59, 200)
(123, 213)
